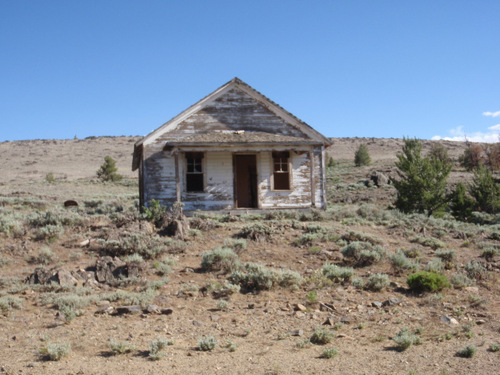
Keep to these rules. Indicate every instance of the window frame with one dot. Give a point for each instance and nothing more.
(199, 160)
(281, 158)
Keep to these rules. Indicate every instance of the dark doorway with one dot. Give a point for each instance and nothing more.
(245, 175)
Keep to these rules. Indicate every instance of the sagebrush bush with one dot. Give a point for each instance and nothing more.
(377, 282)
(363, 253)
(336, 273)
(237, 244)
(460, 281)
(427, 281)
(475, 270)
(321, 336)
(489, 253)
(207, 343)
(467, 352)
(10, 302)
(254, 276)
(55, 352)
(352, 236)
(399, 262)
(119, 347)
(257, 232)
(148, 246)
(157, 347)
(220, 259)
(404, 339)
(329, 353)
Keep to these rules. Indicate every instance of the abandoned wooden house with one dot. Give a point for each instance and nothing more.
(234, 149)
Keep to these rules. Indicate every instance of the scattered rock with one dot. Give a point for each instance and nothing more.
(377, 304)
(379, 179)
(297, 332)
(472, 289)
(300, 307)
(449, 320)
(329, 322)
(152, 309)
(326, 307)
(392, 302)
(166, 311)
(132, 309)
(105, 310)
(64, 277)
(108, 269)
(70, 203)
(480, 321)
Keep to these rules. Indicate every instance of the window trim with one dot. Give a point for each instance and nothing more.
(281, 155)
(187, 157)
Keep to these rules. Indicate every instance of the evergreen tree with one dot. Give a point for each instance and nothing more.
(422, 181)
(331, 163)
(485, 190)
(107, 171)
(362, 157)
(461, 204)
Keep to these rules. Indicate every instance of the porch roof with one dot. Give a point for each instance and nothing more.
(240, 138)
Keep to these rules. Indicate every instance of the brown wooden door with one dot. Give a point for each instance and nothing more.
(245, 175)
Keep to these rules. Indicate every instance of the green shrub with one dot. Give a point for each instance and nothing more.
(154, 212)
(55, 352)
(220, 259)
(427, 281)
(321, 336)
(206, 344)
(361, 156)
(336, 273)
(107, 171)
(467, 352)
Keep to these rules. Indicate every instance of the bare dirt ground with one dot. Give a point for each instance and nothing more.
(268, 329)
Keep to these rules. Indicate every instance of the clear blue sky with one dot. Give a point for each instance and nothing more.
(348, 68)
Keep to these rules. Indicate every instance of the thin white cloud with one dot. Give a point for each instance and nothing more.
(492, 114)
(459, 135)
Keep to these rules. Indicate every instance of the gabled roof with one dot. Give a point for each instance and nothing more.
(235, 83)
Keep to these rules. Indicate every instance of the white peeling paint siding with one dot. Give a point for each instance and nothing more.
(218, 179)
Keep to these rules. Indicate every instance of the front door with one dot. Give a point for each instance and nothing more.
(245, 176)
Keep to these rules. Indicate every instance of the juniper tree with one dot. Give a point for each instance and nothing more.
(107, 171)
(362, 157)
(422, 180)
(485, 190)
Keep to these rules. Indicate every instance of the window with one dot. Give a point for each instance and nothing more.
(281, 171)
(194, 171)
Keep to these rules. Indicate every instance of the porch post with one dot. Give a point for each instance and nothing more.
(177, 177)
(313, 183)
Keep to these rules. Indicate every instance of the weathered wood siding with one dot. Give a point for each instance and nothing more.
(160, 182)
(235, 110)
